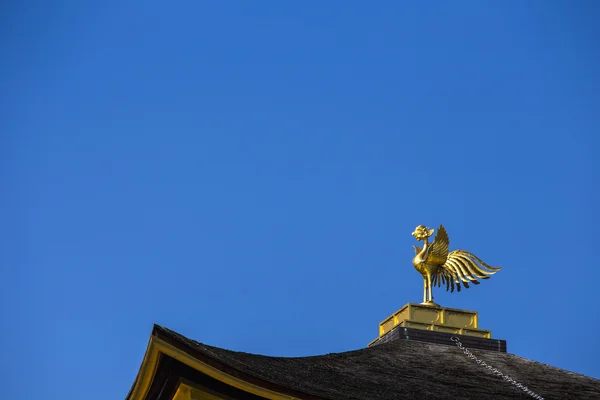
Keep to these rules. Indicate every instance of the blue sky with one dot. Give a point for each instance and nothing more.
(249, 176)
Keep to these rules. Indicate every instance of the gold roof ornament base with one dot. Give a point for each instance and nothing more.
(432, 317)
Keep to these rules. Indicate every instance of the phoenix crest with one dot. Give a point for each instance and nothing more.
(439, 267)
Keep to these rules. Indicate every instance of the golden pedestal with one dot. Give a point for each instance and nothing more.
(435, 318)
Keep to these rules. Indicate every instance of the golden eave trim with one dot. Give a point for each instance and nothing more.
(146, 373)
(191, 391)
(150, 363)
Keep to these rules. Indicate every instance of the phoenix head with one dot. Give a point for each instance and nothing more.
(421, 232)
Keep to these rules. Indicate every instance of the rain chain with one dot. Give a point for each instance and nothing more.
(494, 370)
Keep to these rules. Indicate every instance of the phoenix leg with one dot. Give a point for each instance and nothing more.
(429, 287)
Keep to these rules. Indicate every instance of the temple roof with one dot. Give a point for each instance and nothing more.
(395, 370)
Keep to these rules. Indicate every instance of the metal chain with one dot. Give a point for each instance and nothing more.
(507, 378)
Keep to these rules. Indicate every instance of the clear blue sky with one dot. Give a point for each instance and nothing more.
(249, 176)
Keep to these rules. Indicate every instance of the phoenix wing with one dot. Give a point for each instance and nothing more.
(438, 253)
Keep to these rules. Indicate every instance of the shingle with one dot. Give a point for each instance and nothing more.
(402, 369)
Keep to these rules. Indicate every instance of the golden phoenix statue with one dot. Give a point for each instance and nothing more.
(439, 267)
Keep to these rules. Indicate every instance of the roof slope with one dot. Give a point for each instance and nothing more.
(400, 370)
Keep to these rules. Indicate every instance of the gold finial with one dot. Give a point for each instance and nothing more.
(440, 267)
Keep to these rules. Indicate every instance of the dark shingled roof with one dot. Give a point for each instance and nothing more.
(397, 370)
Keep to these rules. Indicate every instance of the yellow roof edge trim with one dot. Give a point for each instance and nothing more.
(146, 373)
(157, 346)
